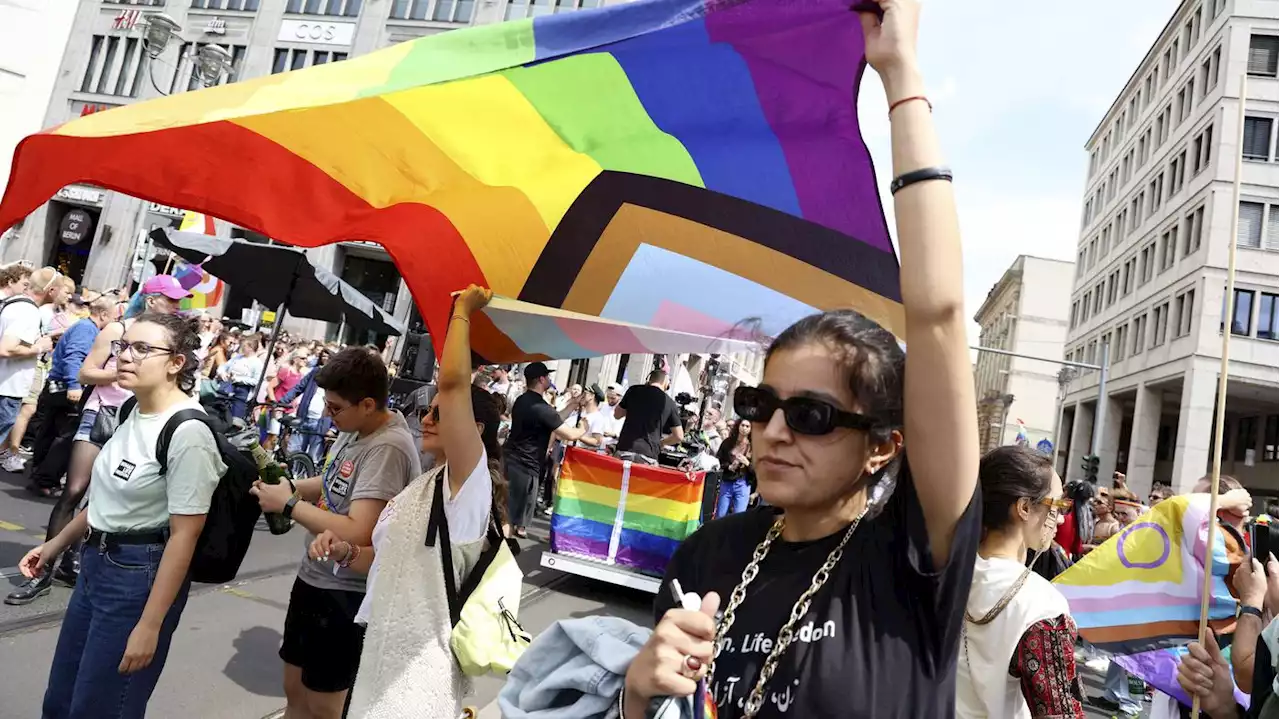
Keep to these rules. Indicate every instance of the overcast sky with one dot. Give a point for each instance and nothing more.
(1017, 88)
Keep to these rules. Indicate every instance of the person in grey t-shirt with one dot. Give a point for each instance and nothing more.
(372, 461)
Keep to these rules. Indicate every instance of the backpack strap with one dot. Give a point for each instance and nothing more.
(438, 526)
(171, 426)
(126, 409)
(15, 300)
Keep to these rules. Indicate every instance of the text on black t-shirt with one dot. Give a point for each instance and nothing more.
(881, 636)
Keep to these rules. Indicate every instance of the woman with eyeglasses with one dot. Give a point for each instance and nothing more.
(844, 598)
(141, 528)
(159, 295)
(406, 666)
(1017, 651)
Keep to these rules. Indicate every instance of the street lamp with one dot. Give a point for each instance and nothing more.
(211, 61)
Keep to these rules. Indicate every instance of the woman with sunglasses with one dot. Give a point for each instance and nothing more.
(1017, 651)
(845, 597)
(141, 528)
(407, 668)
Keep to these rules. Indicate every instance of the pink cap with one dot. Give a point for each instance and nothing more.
(166, 285)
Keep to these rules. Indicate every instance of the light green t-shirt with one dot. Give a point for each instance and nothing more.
(128, 493)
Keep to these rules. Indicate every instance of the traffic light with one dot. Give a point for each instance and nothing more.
(1090, 467)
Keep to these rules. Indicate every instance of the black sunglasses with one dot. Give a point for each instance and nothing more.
(433, 411)
(804, 415)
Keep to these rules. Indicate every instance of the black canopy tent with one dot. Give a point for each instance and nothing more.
(279, 276)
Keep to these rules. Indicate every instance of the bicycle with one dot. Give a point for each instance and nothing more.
(299, 465)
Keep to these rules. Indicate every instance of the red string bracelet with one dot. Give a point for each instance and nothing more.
(895, 105)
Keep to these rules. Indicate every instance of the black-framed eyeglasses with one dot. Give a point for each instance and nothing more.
(139, 350)
(432, 411)
(333, 413)
(804, 415)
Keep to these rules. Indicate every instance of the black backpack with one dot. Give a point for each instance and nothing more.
(233, 512)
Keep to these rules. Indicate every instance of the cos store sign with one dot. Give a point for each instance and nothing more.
(317, 33)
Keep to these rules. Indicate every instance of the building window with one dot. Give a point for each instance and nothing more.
(1202, 150)
(1241, 313)
(1268, 320)
(341, 8)
(1084, 307)
(1139, 334)
(459, 11)
(1209, 72)
(1184, 305)
(1160, 324)
(1257, 138)
(1263, 50)
(1097, 299)
(1249, 231)
(1122, 341)
(1147, 264)
(517, 9)
(1270, 437)
(1169, 248)
(245, 5)
(115, 66)
(296, 59)
(1192, 229)
(1246, 436)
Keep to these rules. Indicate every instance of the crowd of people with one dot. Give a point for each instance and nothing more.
(869, 580)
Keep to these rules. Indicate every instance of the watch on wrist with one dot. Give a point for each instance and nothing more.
(289, 504)
(1246, 609)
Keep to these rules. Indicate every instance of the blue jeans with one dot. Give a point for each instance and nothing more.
(106, 605)
(9, 408)
(240, 401)
(733, 497)
(308, 438)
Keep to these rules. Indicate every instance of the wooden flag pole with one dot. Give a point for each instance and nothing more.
(1220, 411)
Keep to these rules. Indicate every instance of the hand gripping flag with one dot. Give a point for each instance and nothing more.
(1137, 595)
(680, 164)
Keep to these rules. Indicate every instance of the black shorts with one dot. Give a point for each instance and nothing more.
(322, 637)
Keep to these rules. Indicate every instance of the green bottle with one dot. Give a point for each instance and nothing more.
(271, 472)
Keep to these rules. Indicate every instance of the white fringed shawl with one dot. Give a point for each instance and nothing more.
(407, 670)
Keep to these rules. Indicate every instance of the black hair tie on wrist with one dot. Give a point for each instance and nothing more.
(907, 179)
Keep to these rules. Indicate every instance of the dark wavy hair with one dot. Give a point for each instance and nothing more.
(874, 364)
(184, 340)
(488, 409)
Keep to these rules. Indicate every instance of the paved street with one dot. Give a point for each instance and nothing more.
(223, 663)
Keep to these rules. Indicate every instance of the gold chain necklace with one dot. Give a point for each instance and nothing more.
(991, 615)
(755, 700)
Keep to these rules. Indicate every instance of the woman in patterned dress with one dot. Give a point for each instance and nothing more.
(1017, 655)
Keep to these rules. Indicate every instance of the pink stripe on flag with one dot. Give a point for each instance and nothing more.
(600, 336)
(1081, 605)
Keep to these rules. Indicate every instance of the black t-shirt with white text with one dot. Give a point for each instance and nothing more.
(532, 422)
(650, 414)
(881, 636)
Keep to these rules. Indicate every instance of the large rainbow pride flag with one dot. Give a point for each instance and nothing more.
(682, 164)
(1137, 595)
(623, 514)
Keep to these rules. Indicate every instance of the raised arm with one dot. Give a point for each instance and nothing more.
(939, 396)
(458, 434)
